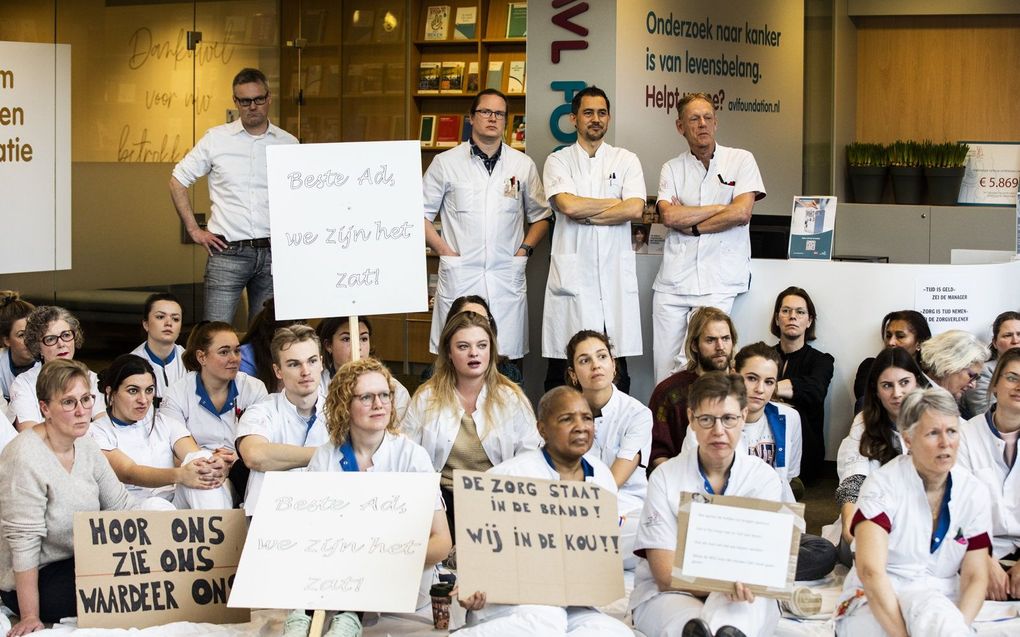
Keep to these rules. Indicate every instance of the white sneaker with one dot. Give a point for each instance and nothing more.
(297, 624)
(344, 625)
(803, 602)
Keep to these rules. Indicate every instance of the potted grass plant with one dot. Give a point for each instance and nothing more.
(907, 172)
(944, 166)
(867, 166)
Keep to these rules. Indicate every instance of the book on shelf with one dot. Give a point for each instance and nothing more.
(515, 83)
(372, 80)
(516, 130)
(464, 24)
(494, 78)
(353, 81)
(448, 130)
(428, 77)
(437, 22)
(362, 21)
(471, 79)
(465, 131)
(451, 77)
(517, 20)
(427, 130)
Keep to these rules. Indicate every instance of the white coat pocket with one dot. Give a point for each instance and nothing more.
(563, 275)
(451, 277)
(463, 197)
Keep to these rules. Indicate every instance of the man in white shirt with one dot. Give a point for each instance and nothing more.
(281, 432)
(494, 212)
(237, 238)
(706, 196)
(596, 190)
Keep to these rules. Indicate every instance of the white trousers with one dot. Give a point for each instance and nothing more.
(529, 620)
(670, 315)
(630, 512)
(221, 497)
(666, 614)
(925, 612)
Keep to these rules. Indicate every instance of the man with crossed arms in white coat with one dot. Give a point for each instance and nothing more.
(485, 192)
(705, 198)
(596, 190)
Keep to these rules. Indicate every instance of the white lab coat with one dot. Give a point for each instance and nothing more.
(483, 221)
(24, 405)
(187, 401)
(925, 581)
(512, 431)
(624, 430)
(980, 453)
(592, 273)
(166, 374)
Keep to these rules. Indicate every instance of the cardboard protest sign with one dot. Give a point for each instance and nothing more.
(530, 541)
(147, 568)
(725, 539)
(346, 229)
(337, 541)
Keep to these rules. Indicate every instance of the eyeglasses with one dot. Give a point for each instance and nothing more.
(70, 404)
(369, 399)
(706, 421)
(51, 339)
(245, 102)
(787, 311)
(485, 112)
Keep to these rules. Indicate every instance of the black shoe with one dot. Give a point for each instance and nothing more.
(696, 628)
(729, 631)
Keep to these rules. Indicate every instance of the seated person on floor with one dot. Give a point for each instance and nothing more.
(921, 534)
(15, 356)
(161, 320)
(283, 430)
(906, 329)
(566, 425)
(478, 305)
(256, 357)
(152, 454)
(1005, 335)
(717, 408)
(953, 360)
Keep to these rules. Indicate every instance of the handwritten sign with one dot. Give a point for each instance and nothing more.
(725, 539)
(346, 228)
(530, 541)
(147, 568)
(337, 541)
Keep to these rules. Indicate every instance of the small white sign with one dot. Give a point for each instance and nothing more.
(738, 545)
(337, 541)
(346, 229)
(949, 302)
(992, 175)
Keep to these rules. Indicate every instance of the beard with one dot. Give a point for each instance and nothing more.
(709, 364)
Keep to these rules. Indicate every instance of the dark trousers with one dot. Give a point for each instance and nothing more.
(56, 593)
(556, 374)
(448, 501)
(238, 477)
(816, 558)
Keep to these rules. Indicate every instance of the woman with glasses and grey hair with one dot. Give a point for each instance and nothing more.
(51, 333)
(953, 360)
(922, 532)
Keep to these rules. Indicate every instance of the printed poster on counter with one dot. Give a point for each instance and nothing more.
(992, 174)
(812, 225)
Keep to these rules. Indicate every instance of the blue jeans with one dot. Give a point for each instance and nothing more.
(232, 270)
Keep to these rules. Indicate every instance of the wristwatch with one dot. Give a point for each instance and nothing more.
(695, 231)
(527, 249)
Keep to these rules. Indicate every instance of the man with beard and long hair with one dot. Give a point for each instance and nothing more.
(596, 191)
(711, 341)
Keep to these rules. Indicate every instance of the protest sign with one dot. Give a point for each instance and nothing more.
(346, 229)
(147, 568)
(725, 539)
(337, 541)
(530, 541)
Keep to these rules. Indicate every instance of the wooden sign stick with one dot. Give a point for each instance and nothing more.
(318, 619)
(355, 333)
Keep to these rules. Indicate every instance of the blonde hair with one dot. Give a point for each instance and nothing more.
(443, 383)
(57, 375)
(341, 394)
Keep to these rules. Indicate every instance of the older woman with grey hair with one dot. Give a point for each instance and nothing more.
(953, 360)
(51, 333)
(921, 532)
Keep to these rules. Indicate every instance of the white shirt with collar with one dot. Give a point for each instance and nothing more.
(277, 420)
(592, 274)
(623, 431)
(716, 262)
(24, 405)
(235, 161)
(148, 443)
(534, 464)
(168, 371)
(981, 453)
(512, 431)
(188, 401)
(7, 374)
(483, 218)
(749, 477)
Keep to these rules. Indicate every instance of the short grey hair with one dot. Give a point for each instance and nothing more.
(553, 398)
(921, 401)
(950, 352)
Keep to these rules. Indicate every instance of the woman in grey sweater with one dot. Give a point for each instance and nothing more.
(47, 473)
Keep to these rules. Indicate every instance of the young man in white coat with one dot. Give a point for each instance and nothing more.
(596, 190)
(706, 196)
(494, 212)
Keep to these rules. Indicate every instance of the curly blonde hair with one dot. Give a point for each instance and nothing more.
(341, 395)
